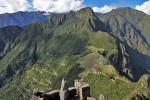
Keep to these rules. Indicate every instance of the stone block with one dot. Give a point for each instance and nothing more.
(90, 98)
(64, 91)
(101, 97)
(72, 92)
(52, 95)
(84, 92)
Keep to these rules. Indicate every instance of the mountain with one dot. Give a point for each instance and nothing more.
(7, 38)
(75, 45)
(127, 25)
(22, 18)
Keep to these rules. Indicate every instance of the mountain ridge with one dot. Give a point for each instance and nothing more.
(73, 45)
(22, 18)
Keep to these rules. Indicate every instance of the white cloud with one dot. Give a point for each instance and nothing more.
(145, 7)
(57, 6)
(105, 9)
(10, 6)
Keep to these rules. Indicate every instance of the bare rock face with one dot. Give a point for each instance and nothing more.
(101, 97)
(64, 91)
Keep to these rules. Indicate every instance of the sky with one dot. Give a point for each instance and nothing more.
(61, 6)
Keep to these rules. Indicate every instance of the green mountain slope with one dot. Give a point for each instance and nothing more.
(72, 45)
(7, 38)
(126, 25)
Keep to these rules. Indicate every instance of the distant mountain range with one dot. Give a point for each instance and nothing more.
(22, 18)
(109, 51)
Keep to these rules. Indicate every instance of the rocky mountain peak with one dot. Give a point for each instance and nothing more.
(85, 12)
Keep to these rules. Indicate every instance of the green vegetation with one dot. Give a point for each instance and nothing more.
(72, 46)
(101, 84)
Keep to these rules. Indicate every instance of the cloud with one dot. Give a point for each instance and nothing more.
(57, 6)
(10, 6)
(104, 9)
(145, 7)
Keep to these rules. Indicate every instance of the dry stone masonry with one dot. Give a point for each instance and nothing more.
(80, 91)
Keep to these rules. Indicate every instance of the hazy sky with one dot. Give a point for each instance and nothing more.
(59, 6)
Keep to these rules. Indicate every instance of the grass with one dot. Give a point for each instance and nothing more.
(102, 40)
(101, 84)
(64, 48)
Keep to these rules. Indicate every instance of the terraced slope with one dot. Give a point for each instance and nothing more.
(72, 45)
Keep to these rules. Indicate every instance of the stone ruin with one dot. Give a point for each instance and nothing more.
(80, 91)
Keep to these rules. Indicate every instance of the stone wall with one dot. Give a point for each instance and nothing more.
(80, 91)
